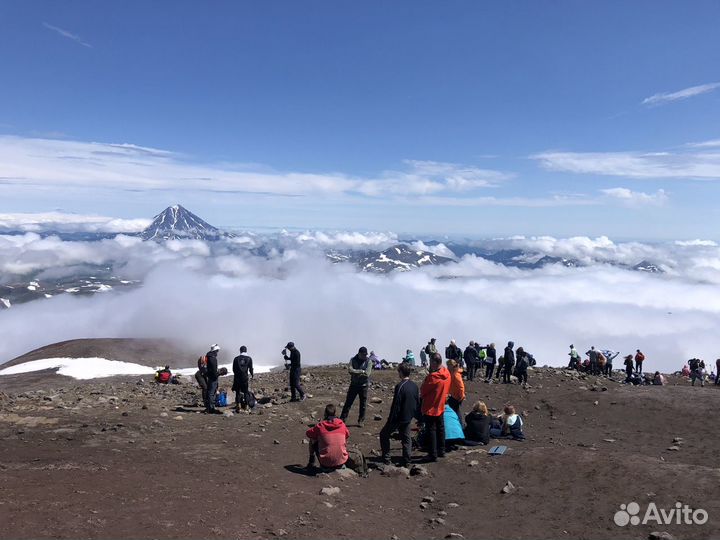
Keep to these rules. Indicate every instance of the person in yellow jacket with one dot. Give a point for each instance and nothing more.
(457, 387)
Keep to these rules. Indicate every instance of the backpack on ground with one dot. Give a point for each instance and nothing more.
(356, 461)
(251, 400)
(221, 399)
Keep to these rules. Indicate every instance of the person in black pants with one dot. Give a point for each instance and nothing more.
(470, 357)
(243, 371)
(508, 362)
(295, 372)
(405, 406)
(211, 375)
(490, 361)
(433, 395)
(359, 370)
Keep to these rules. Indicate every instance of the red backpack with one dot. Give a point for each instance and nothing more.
(164, 377)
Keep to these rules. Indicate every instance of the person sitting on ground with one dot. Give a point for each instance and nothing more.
(658, 379)
(509, 424)
(163, 376)
(478, 424)
(409, 357)
(375, 360)
(405, 406)
(454, 435)
(457, 386)
(328, 441)
(685, 372)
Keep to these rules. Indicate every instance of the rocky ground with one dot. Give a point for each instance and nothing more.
(124, 457)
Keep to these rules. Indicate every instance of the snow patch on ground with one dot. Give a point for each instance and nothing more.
(94, 368)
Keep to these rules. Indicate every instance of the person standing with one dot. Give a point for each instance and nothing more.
(470, 356)
(490, 362)
(211, 374)
(296, 388)
(639, 359)
(457, 387)
(243, 372)
(592, 356)
(431, 348)
(433, 394)
(628, 367)
(359, 371)
(508, 362)
(574, 358)
(521, 368)
(717, 372)
(405, 406)
(423, 358)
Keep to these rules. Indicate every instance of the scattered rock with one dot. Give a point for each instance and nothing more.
(178, 417)
(428, 499)
(655, 535)
(508, 488)
(438, 520)
(453, 505)
(418, 470)
(345, 473)
(454, 535)
(377, 417)
(674, 448)
(609, 440)
(424, 505)
(163, 414)
(227, 414)
(474, 463)
(275, 441)
(375, 399)
(596, 402)
(330, 491)
(391, 470)
(442, 513)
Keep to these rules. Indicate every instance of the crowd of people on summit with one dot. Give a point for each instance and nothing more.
(435, 405)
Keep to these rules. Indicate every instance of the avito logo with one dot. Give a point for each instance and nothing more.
(680, 514)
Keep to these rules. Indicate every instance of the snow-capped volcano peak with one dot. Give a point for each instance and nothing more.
(178, 222)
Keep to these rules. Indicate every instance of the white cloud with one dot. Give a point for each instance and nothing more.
(685, 93)
(636, 198)
(687, 164)
(698, 242)
(89, 165)
(191, 296)
(67, 34)
(713, 143)
(63, 222)
(344, 240)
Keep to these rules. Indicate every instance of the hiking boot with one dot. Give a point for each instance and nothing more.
(386, 460)
(361, 423)
(303, 398)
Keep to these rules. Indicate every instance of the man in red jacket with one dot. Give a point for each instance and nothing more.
(433, 393)
(328, 441)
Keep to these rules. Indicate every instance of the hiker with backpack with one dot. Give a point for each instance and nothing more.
(433, 394)
(293, 361)
(431, 348)
(574, 358)
(639, 359)
(359, 370)
(508, 362)
(243, 372)
(405, 406)
(471, 358)
(521, 367)
(490, 361)
(211, 375)
(697, 367)
(453, 352)
(163, 376)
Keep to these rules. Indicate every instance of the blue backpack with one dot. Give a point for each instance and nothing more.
(221, 399)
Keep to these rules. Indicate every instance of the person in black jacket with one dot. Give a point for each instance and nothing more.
(243, 372)
(490, 362)
(296, 388)
(508, 362)
(405, 406)
(478, 424)
(470, 357)
(521, 367)
(359, 370)
(211, 375)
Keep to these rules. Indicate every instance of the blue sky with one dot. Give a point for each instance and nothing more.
(472, 118)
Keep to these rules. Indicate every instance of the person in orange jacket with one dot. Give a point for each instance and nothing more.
(433, 394)
(457, 386)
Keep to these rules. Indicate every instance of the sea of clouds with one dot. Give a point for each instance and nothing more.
(262, 291)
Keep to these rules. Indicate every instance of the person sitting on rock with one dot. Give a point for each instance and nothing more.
(328, 441)
(658, 379)
(478, 424)
(409, 357)
(508, 425)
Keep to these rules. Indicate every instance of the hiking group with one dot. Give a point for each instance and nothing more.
(435, 406)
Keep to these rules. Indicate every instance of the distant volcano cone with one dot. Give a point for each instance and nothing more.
(176, 222)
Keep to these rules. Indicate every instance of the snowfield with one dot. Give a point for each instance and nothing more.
(95, 368)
